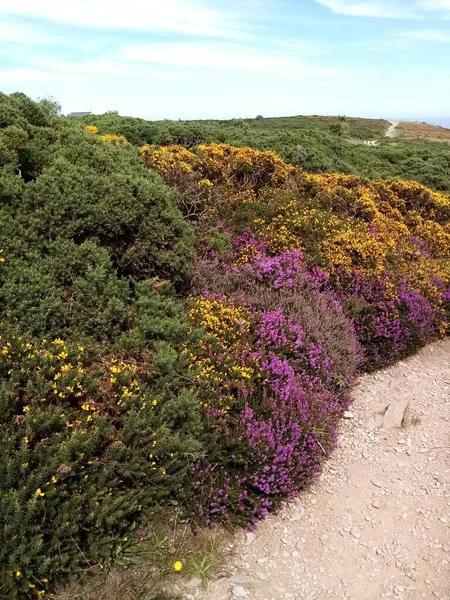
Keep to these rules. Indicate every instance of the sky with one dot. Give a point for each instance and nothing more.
(181, 59)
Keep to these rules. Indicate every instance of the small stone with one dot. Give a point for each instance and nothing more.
(193, 583)
(294, 553)
(395, 414)
(239, 592)
(250, 537)
(377, 483)
(348, 415)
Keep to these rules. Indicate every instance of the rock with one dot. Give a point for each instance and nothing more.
(348, 415)
(395, 414)
(239, 592)
(193, 583)
(377, 483)
(250, 537)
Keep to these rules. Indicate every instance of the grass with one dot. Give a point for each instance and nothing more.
(359, 128)
(424, 131)
(144, 570)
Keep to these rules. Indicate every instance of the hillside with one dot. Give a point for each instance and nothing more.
(309, 142)
(424, 131)
(181, 330)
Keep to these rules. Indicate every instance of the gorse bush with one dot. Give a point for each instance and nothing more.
(383, 247)
(87, 444)
(184, 323)
(304, 141)
(97, 423)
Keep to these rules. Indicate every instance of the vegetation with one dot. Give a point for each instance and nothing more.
(312, 143)
(181, 325)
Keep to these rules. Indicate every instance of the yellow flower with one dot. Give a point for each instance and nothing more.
(18, 573)
(26, 409)
(54, 480)
(178, 565)
(26, 440)
(39, 493)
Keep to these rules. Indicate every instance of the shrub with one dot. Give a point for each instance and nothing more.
(385, 246)
(87, 446)
(116, 393)
(98, 420)
(273, 380)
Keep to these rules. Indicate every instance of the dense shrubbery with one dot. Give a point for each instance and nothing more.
(202, 352)
(97, 423)
(304, 141)
(384, 247)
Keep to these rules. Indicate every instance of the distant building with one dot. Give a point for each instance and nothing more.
(112, 112)
(370, 142)
(80, 114)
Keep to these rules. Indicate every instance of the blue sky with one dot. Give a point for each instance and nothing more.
(230, 58)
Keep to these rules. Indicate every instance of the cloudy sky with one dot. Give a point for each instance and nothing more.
(230, 58)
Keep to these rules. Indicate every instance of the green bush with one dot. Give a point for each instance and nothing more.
(87, 444)
(97, 421)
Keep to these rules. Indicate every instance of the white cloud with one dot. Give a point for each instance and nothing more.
(205, 56)
(393, 9)
(26, 75)
(194, 60)
(195, 17)
(427, 35)
(389, 9)
(19, 34)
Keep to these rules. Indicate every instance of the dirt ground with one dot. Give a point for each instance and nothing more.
(377, 524)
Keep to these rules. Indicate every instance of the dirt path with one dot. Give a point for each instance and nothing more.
(377, 524)
(391, 131)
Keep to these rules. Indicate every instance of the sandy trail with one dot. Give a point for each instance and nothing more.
(377, 523)
(391, 131)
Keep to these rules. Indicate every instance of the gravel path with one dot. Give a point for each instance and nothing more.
(391, 131)
(377, 523)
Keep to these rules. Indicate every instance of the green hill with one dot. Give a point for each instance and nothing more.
(310, 142)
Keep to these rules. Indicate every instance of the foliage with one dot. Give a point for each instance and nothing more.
(272, 383)
(97, 423)
(383, 246)
(304, 141)
(184, 323)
